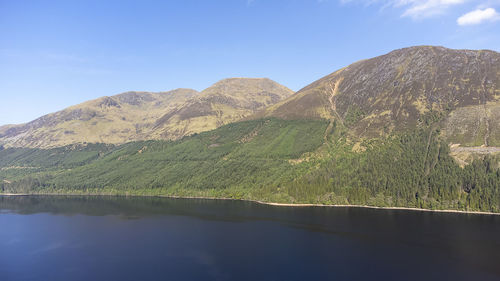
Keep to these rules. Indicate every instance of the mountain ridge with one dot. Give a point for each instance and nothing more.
(226, 101)
(401, 130)
(371, 98)
(398, 90)
(135, 115)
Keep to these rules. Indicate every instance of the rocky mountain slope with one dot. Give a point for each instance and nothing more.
(135, 116)
(402, 89)
(396, 130)
(114, 119)
(226, 101)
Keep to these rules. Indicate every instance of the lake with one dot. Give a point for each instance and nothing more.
(119, 238)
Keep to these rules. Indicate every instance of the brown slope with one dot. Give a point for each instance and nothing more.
(399, 90)
(135, 116)
(226, 101)
(116, 119)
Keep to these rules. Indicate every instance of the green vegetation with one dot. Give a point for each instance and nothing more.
(408, 170)
(353, 115)
(64, 157)
(271, 160)
(229, 161)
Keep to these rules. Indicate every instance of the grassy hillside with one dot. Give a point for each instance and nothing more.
(394, 93)
(275, 160)
(135, 116)
(121, 118)
(226, 101)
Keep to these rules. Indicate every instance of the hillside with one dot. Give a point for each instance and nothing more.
(404, 129)
(226, 101)
(116, 119)
(136, 116)
(404, 88)
(270, 160)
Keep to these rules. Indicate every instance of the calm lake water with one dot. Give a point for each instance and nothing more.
(113, 238)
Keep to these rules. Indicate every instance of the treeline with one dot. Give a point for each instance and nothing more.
(271, 160)
(409, 170)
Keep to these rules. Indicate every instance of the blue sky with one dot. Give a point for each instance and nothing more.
(54, 54)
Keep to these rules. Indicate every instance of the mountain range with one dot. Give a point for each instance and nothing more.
(133, 116)
(417, 127)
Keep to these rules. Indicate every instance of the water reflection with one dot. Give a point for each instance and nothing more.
(119, 238)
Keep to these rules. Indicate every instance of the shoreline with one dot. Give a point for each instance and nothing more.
(299, 205)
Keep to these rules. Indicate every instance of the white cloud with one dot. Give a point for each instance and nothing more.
(478, 16)
(415, 9)
(426, 8)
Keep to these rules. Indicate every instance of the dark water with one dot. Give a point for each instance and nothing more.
(88, 238)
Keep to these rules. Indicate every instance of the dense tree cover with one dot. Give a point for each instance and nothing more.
(409, 170)
(270, 160)
(67, 157)
(225, 162)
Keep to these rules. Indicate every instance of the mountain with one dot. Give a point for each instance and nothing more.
(226, 101)
(136, 116)
(413, 128)
(400, 90)
(116, 119)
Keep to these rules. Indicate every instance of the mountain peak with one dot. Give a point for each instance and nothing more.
(139, 115)
(237, 86)
(397, 90)
(226, 101)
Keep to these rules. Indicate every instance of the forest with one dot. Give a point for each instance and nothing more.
(273, 160)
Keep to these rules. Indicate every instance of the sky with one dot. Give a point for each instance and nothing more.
(54, 54)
